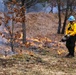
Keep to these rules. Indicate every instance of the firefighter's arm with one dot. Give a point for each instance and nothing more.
(72, 33)
(67, 31)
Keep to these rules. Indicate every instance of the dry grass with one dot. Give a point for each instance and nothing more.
(40, 57)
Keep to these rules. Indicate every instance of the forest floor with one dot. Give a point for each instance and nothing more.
(43, 54)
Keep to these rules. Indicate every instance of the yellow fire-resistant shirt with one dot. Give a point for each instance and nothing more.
(71, 29)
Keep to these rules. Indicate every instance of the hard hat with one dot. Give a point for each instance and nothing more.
(71, 18)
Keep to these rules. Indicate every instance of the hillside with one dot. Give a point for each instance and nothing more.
(41, 24)
(43, 54)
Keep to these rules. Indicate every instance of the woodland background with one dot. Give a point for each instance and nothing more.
(30, 40)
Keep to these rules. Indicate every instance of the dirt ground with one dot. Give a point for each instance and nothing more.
(43, 54)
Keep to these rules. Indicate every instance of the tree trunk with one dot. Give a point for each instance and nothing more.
(12, 39)
(23, 24)
(59, 15)
(66, 15)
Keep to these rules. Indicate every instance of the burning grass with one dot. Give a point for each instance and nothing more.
(42, 54)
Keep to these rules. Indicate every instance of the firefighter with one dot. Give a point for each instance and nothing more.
(70, 36)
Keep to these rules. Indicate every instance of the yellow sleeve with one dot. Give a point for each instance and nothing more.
(66, 31)
(74, 30)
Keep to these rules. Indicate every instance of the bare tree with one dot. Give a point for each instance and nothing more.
(66, 15)
(68, 8)
(23, 21)
(59, 15)
(69, 11)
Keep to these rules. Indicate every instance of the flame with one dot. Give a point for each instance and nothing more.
(21, 36)
(47, 39)
(35, 40)
(27, 44)
(60, 51)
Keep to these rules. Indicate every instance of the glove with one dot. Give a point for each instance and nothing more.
(65, 38)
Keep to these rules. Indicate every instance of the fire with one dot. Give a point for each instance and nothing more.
(47, 39)
(21, 36)
(35, 40)
(60, 51)
(27, 44)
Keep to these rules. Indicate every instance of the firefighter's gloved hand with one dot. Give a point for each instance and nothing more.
(68, 36)
(65, 38)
